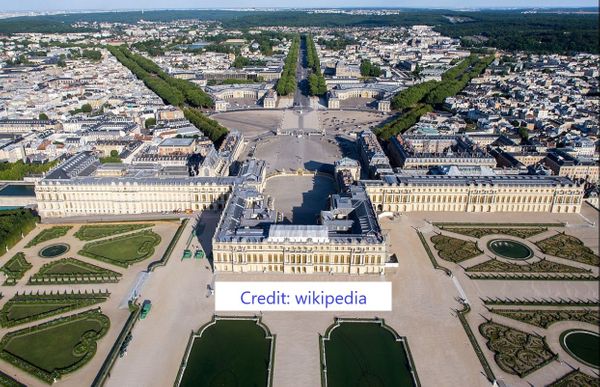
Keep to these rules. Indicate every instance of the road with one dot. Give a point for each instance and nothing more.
(301, 98)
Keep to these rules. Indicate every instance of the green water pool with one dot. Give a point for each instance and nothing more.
(365, 354)
(582, 345)
(510, 249)
(229, 353)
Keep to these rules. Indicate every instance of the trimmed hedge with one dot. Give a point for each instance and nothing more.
(72, 271)
(97, 231)
(543, 266)
(543, 318)
(568, 247)
(473, 340)
(533, 277)
(7, 381)
(431, 256)
(513, 348)
(453, 249)
(539, 302)
(167, 254)
(15, 268)
(114, 352)
(49, 234)
(50, 304)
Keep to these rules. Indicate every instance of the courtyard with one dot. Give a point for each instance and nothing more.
(300, 198)
(313, 153)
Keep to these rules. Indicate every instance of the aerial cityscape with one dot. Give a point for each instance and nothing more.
(365, 196)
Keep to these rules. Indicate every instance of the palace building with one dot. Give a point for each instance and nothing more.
(506, 193)
(249, 237)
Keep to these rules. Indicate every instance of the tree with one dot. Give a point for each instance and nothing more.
(368, 69)
(86, 108)
(149, 122)
(92, 54)
(114, 153)
(43, 117)
(523, 132)
(240, 61)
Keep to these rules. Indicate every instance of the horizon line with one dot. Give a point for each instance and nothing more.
(556, 7)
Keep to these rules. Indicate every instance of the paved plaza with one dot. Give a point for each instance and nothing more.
(292, 153)
(250, 123)
(349, 121)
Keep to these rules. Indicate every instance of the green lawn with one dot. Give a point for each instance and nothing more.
(364, 354)
(25, 308)
(229, 353)
(57, 347)
(123, 250)
(66, 269)
(49, 234)
(15, 268)
(97, 231)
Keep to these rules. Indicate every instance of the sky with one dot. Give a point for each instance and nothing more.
(51, 5)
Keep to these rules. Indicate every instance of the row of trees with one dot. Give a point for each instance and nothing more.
(176, 92)
(13, 225)
(287, 83)
(403, 122)
(173, 91)
(18, 170)
(412, 95)
(316, 81)
(420, 99)
(211, 128)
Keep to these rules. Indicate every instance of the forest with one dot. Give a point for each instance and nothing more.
(552, 31)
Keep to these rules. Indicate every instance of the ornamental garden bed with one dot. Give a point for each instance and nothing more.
(516, 352)
(568, 247)
(15, 268)
(123, 250)
(49, 234)
(72, 271)
(97, 231)
(453, 249)
(478, 232)
(55, 348)
(543, 318)
(24, 308)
